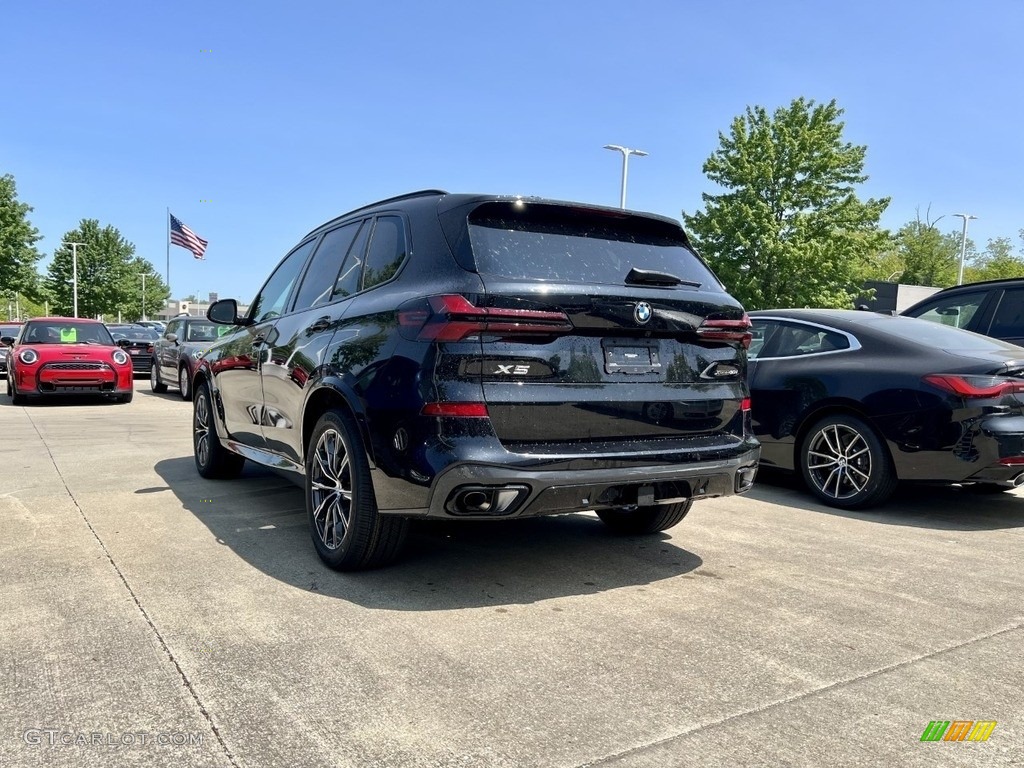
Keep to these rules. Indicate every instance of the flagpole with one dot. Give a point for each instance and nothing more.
(168, 220)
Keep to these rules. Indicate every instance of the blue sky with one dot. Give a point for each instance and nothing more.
(255, 122)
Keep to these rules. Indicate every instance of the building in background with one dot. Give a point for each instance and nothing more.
(894, 297)
(177, 307)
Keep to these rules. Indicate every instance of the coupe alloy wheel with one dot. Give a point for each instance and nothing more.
(331, 483)
(839, 461)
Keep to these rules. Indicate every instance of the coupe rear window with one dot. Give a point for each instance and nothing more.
(555, 243)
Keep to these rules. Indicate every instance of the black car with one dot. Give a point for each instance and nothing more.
(176, 351)
(138, 341)
(481, 357)
(856, 401)
(993, 308)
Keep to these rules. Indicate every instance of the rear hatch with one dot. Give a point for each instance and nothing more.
(607, 333)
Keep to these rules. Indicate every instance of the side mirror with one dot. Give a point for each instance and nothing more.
(7, 341)
(171, 337)
(123, 343)
(225, 312)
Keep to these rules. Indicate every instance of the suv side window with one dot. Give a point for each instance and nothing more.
(1008, 322)
(956, 311)
(387, 251)
(173, 327)
(318, 284)
(273, 297)
(352, 267)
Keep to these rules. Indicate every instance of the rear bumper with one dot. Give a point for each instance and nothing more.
(552, 492)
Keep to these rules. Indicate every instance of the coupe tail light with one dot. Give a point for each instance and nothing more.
(975, 387)
(713, 329)
(452, 317)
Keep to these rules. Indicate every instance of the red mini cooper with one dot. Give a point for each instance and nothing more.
(66, 355)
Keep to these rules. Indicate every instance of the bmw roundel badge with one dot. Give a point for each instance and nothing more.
(642, 313)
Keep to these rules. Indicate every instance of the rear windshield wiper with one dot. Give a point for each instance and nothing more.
(652, 277)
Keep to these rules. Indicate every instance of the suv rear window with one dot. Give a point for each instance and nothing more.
(556, 243)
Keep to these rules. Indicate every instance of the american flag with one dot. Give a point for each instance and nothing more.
(186, 238)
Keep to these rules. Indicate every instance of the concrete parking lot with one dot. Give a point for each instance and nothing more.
(149, 617)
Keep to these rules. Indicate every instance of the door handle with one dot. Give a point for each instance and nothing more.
(321, 324)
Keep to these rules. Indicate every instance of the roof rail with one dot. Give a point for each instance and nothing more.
(395, 199)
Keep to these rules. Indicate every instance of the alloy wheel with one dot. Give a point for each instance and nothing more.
(183, 382)
(839, 461)
(201, 428)
(331, 484)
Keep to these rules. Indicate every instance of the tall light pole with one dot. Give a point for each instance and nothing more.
(626, 152)
(963, 245)
(74, 267)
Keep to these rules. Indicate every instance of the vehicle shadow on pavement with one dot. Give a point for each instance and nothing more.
(262, 518)
(59, 401)
(943, 507)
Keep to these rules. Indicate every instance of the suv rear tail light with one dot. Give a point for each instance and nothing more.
(456, 410)
(975, 387)
(727, 330)
(748, 424)
(452, 317)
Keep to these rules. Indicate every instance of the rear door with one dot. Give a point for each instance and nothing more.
(649, 347)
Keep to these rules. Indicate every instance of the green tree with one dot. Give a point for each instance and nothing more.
(926, 255)
(789, 229)
(109, 275)
(997, 261)
(18, 254)
(156, 291)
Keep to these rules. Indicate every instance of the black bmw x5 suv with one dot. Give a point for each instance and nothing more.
(466, 356)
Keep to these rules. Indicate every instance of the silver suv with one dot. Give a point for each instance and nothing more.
(176, 352)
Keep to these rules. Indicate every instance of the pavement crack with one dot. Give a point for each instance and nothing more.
(138, 604)
(805, 694)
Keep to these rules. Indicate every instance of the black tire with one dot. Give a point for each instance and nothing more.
(212, 459)
(845, 464)
(185, 382)
(645, 519)
(348, 532)
(16, 397)
(126, 398)
(155, 382)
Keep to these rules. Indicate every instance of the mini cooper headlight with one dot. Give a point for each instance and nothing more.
(120, 357)
(198, 353)
(28, 356)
